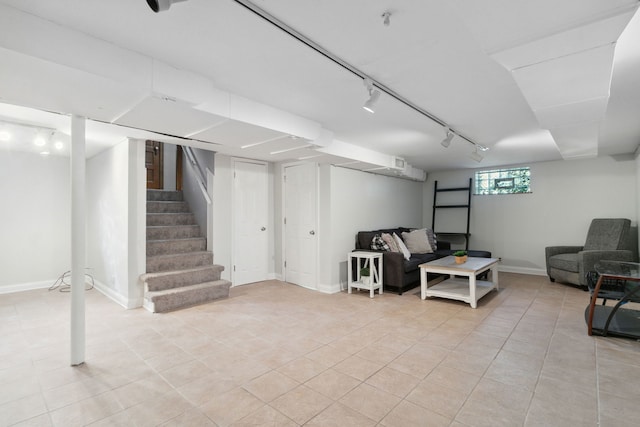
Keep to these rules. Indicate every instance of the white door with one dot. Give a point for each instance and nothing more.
(250, 215)
(300, 224)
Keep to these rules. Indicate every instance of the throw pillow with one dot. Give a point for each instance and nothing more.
(402, 247)
(417, 242)
(377, 244)
(431, 236)
(389, 240)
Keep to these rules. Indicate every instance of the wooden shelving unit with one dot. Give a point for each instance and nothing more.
(466, 234)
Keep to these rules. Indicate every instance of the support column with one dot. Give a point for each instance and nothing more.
(78, 243)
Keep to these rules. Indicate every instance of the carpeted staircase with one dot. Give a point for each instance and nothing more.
(180, 270)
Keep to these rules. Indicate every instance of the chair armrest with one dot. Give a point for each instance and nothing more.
(588, 259)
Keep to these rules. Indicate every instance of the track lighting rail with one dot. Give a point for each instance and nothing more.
(324, 52)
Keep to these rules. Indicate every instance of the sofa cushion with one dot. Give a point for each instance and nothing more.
(378, 244)
(431, 236)
(402, 247)
(417, 241)
(389, 240)
(365, 238)
(417, 259)
(566, 262)
(607, 234)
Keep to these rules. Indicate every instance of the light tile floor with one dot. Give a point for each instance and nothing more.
(279, 355)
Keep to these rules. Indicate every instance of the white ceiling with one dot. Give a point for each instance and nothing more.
(530, 80)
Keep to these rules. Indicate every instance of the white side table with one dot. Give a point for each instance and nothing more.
(372, 260)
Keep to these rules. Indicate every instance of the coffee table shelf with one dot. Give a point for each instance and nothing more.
(469, 290)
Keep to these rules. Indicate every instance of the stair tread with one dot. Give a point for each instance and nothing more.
(180, 239)
(194, 253)
(177, 225)
(169, 213)
(145, 276)
(221, 282)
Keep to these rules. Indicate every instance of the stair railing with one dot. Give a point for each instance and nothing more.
(199, 174)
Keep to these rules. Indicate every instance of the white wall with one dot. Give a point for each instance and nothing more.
(637, 193)
(107, 219)
(169, 166)
(350, 201)
(360, 201)
(116, 220)
(222, 184)
(566, 196)
(191, 190)
(35, 225)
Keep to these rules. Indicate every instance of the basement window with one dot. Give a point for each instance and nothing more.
(503, 181)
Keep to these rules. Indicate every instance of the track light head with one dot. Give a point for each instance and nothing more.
(370, 104)
(476, 156)
(161, 5)
(447, 139)
(374, 94)
(386, 18)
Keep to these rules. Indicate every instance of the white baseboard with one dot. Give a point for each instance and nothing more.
(329, 288)
(116, 297)
(149, 306)
(522, 270)
(21, 287)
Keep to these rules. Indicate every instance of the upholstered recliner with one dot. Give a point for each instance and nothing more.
(607, 239)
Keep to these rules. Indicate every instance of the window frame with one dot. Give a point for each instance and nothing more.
(512, 180)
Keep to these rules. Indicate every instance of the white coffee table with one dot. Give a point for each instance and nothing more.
(469, 290)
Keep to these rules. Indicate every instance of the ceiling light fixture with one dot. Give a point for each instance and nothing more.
(5, 136)
(161, 5)
(373, 96)
(58, 145)
(39, 141)
(386, 18)
(475, 155)
(447, 139)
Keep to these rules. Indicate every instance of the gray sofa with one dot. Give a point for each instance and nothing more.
(607, 239)
(399, 274)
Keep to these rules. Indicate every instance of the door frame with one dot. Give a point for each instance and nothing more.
(160, 163)
(234, 161)
(318, 231)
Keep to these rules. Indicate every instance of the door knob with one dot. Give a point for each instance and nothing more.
(312, 232)
(262, 229)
